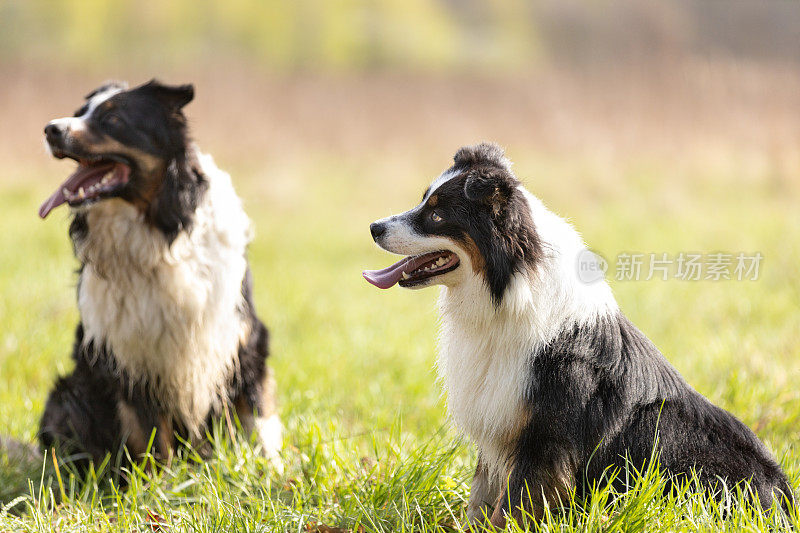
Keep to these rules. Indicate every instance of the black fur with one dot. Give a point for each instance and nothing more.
(148, 117)
(252, 354)
(181, 191)
(599, 395)
(78, 229)
(151, 119)
(82, 415)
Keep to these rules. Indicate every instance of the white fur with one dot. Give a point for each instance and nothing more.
(485, 351)
(270, 434)
(270, 430)
(70, 124)
(76, 124)
(101, 97)
(446, 176)
(169, 313)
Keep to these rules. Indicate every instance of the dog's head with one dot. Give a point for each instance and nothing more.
(473, 221)
(125, 142)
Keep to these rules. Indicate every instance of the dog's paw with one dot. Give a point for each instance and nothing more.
(477, 517)
(269, 432)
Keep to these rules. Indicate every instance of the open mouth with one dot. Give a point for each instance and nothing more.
(413, 270)
(94, 179)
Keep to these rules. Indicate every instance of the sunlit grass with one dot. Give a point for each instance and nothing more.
(367, 444)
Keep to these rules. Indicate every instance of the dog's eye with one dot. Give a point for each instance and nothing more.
(435, 217)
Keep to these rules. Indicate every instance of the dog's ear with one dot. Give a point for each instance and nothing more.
(183, 186)
(172, 96)
(489, 188)
(107, 86)
(478, 187)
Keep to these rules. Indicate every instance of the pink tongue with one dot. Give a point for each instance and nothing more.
(51, 203)
(72, 184)
(389, 276)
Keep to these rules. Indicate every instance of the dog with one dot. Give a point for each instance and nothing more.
(169, 339)
(542, 370)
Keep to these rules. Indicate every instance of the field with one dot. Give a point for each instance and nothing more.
(367, 444)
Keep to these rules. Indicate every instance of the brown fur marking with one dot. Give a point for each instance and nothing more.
(133, 434)
(475, 256)
(164, 447)
(268, 404)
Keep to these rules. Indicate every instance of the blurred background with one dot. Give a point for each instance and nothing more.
(655, 126)
(622, 80)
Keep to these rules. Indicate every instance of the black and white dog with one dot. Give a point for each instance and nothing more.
(168, 336)
(542, 370)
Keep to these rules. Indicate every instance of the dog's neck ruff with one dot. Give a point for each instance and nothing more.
(170, 314)
(485, 351)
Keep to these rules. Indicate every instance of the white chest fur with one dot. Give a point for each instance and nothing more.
(484, 366)
(169, 314)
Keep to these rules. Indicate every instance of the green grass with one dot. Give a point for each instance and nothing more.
(367, 444)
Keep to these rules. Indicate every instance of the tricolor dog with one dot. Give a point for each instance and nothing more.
(168, 338)
(542, 370)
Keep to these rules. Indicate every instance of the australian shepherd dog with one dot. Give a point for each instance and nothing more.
(542, 370)
(168, 339)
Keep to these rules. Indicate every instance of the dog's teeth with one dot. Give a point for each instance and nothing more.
(405, 276)
(81, 193)
(105, 179)
(66, 192)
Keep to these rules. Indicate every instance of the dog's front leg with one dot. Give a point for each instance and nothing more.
(139, 418)
(482, 495)
(258, 413)
(533, 485)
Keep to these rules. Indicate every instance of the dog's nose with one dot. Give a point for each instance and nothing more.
(377, 229)
(53, 131)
